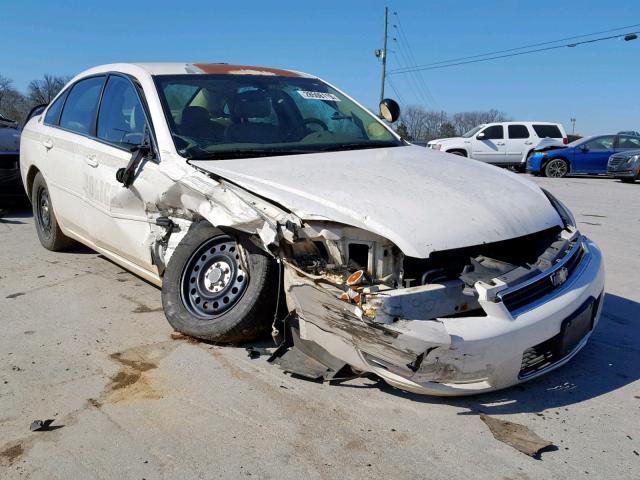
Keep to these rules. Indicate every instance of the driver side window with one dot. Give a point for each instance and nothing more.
(601, 144)
(495, 132)
(121, 119)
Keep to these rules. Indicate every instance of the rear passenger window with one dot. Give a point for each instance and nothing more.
(121, 119)
(628, 143)
(518, 131)
(53, 114)
(82, 103)
(544, 131)
(496, 132)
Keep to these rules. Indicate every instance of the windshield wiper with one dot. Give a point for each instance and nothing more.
(358, 146)
(245, 153)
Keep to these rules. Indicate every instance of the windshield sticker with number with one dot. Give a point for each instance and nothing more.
(318, 96)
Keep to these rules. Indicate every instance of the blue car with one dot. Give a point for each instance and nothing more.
(587, 155)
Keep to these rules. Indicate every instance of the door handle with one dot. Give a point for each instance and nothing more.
(48, 144)
(91, 160)
(528, 143)
(499, 143)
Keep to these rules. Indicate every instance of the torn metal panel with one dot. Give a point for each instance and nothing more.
(398, 346)
(307, 359)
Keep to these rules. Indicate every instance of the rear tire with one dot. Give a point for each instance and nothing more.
(47, 227)
(210, 291)
(556, 168)
(628, 180)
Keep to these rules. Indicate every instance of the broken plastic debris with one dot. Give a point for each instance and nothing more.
(43, 425)
(256, 352)
(516, 435)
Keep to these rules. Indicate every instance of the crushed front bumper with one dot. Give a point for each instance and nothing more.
(456, 355)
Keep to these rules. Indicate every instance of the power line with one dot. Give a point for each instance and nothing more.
(413, 82)
(393, 87)
(423, 89)
(461, 60)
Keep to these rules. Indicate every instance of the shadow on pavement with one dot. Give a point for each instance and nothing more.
(611, 360)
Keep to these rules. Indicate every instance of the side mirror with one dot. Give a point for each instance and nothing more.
(480, 136)
(127, 175)
(584, 148)
(389, 110)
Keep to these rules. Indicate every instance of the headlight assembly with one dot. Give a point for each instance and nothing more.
(565, 214)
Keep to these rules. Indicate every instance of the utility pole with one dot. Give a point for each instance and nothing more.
(382, 54)
(573, 125)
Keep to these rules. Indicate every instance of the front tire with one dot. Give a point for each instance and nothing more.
(47, 227)
(219, 288)
(556, 168)
(628, 180)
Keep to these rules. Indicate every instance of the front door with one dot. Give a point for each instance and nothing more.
(489, 145)
(119, 221)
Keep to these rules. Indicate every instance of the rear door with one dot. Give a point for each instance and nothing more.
(592, 156)
(63, 167)
(518, 143)
(489, 145)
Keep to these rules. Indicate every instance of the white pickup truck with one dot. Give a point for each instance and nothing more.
(506, 144)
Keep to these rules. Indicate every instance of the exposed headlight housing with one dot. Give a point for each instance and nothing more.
(437, 146)
(565, 214)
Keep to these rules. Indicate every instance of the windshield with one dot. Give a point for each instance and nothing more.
(472, 132)
(239, 116)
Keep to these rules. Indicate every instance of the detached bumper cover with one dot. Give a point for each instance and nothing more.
(456, 355)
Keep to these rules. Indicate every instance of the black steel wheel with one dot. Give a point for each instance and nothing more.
(219, 287)
(213, 279)
(47, 228)
(43, 210)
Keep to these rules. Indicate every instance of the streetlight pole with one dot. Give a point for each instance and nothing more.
(573, 126)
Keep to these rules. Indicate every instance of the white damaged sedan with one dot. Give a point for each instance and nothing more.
(266, 200)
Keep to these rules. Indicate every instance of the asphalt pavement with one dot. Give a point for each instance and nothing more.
(85, 343)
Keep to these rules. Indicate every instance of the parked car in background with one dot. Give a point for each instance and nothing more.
(10, 183)
(588, 155)
(633, 133)
(507, 144)
(625, 165)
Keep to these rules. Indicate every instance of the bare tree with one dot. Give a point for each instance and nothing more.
(45, 89)
(12, 103)
(423, 125)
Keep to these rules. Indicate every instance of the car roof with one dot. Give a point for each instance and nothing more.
(176, 68)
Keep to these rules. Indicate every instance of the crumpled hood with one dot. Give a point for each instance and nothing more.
(421, 200)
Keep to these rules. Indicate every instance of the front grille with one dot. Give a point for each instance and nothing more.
(615, 161)
(539, 357)
(531, 292)
(545, 354)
